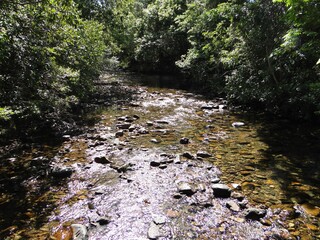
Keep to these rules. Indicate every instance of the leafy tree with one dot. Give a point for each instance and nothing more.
(49, 56)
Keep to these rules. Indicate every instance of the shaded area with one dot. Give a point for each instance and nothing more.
(29, 190)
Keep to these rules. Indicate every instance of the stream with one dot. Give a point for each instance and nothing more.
(167, 164)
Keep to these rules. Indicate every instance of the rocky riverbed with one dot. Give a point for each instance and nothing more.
(168, 165)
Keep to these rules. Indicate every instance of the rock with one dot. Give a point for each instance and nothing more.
(123, 125)
(62, 172)
(103, 221)
(162, 122)
(184, 140)
(221, 190)
(255, 213)
(66, 137)
(237, 196)
(79, 232)
(207, 107)
(149, 123)
(154, 231)
(143, 131)
(215, 179)
(237, 124)
(102, 160)
(120, 166)
(187, 155)
(233, 206)
(222, 106)
(203, 154)
(154, 140)
(155, 163)
(119, 134)
(159, 220)
(186, 188)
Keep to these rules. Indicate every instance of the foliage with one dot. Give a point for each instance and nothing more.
(49, 56)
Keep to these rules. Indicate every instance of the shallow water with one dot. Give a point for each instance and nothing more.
(121, 186)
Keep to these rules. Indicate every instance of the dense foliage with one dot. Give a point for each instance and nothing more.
(48, 58)
(259, 53)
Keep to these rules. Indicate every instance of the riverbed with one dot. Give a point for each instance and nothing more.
(168, 164)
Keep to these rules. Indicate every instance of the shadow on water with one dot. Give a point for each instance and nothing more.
(292, 156)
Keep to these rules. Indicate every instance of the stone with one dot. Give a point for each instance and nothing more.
(103, 221)
(123, 125)
(154, 231)
(184, 140)
(143, 131)
(233, 206)
(120, 166)
(203, 154)
(162, 122)
(119, 134)
(159, 220)
(62, 172)
(207, 107)
(149, 123)
(154, 140)
(66, 137)
(187, 155)
(186, 188)
(221, 190)
(155, 163)
(254, 213)
(79, 232)
(102, 160)
(237, 124)
(215, 179)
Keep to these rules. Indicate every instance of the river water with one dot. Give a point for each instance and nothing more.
(147, 169)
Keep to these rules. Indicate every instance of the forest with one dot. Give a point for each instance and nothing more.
(261, 54)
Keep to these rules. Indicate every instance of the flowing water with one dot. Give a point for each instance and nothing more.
(147, 170)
